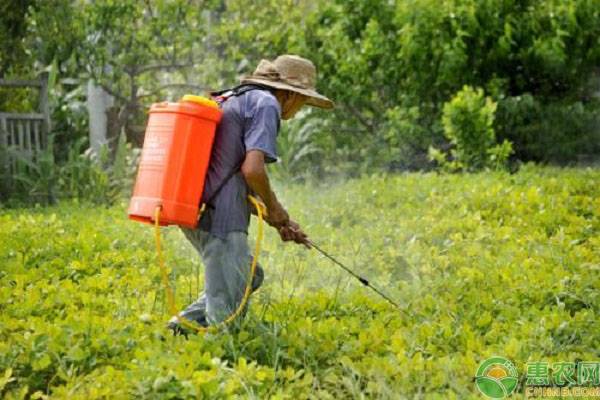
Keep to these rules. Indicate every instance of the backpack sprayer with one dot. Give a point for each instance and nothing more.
(170, 182)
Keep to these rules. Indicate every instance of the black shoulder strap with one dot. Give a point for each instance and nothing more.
(221, 96)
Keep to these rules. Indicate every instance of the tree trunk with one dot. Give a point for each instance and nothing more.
(98, 102)
(113, 130)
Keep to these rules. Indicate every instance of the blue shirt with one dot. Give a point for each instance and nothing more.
(250, 121)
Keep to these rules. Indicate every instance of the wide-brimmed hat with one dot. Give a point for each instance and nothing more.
(293, 73)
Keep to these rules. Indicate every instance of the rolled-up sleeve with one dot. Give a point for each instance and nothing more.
(262, 126)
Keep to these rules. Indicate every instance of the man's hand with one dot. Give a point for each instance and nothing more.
(292, 231)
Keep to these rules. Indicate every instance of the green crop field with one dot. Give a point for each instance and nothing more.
(482, 264)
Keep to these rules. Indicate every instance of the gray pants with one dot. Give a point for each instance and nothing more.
(227, 265)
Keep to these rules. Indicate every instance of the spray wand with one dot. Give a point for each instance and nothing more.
(362, 280)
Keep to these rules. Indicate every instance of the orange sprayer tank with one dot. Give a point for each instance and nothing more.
(174, 161)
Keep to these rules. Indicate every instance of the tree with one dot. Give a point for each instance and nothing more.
(135, 50)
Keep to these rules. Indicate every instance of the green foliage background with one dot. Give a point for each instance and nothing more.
(483, 264)
(389, 65)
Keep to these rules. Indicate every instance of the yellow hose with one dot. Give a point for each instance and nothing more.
(260, 211)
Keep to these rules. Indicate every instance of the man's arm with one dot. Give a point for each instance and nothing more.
(255, 174)
(253, 169)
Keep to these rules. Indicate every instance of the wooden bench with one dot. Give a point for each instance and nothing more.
(25, 133)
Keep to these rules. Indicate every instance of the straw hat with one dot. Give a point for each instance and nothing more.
(293, 73)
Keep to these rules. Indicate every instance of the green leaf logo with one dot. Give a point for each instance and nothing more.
(496, 377)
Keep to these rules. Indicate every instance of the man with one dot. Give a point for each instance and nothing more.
(245, 141)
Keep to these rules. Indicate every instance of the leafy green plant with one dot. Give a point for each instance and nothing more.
(36, 178)
(96, 177)
(84, 175)
(468, 121)
(82, 312)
